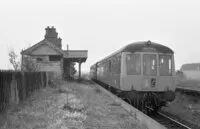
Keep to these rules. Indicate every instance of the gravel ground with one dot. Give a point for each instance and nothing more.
(187, 107)
(72, 106)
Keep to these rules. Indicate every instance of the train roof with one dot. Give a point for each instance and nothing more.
(139, 46)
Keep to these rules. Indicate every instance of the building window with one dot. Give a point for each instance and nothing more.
(54, 58)
(39, 59)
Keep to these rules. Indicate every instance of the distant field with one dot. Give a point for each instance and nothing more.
(183, 82)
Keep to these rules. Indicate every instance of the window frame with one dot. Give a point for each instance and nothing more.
(54, 57)
(127, 68)
(156, 64)
(39, 59)
(169, 55)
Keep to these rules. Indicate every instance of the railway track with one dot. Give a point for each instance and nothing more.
(189, 91)
(169, 122)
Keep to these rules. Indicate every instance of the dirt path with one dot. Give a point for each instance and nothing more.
(72, 106)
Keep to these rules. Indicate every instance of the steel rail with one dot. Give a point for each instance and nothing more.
(175, 121)
(171, 119)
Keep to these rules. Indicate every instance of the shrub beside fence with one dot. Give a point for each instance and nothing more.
(15, 87)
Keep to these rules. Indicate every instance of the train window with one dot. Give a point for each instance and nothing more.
(133, 62)
(118, 64)
(109, 66)
(165, 65)
(112, 65)
(149, 64)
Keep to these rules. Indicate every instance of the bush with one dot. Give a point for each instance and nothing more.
(55, 79)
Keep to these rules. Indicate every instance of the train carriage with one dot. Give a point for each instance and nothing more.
(142, 73)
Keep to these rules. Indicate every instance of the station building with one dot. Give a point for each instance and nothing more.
(49, 56)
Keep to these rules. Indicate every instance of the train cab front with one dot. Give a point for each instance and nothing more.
(150, 73)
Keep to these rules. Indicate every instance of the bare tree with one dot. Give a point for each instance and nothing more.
(28, 63)
(13, 58)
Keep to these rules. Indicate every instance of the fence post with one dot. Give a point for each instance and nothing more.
(23, 86)
(14, 98)
(42, 81)
(47, 79)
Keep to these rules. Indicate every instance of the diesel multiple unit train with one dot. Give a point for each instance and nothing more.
(141, 73)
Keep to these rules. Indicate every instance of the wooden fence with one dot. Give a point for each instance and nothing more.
(15, 87)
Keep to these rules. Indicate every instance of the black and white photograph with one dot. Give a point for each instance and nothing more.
(99, 64)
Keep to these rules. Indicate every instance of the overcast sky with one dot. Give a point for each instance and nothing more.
(102, 26)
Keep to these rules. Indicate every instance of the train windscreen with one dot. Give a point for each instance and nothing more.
(165, 62)
(133, 62)
(149, 64)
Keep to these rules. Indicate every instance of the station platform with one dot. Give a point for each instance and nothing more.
(135, 113)
(77, 105)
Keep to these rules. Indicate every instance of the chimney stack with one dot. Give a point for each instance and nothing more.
(52, 36)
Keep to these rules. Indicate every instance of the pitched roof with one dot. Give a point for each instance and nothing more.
(43, 42)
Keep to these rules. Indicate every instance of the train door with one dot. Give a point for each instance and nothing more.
(131, 71)
(166, 78)
(150, 71)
